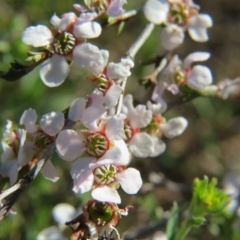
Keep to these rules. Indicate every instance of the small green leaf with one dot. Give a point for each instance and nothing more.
(172, 221)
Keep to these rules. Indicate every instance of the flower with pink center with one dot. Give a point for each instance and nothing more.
(101, 138)
(104, 180)
(177, 16)
(179, 73)
(62, 42)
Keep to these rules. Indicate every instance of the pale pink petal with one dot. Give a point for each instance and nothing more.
(76, 109)
(87, 29)
(114, 127)
(157, 96)
(115, 8)
(154, 107)
(54, 71)
(158, 147)
(26, 153)
(92, 115)
(28, 119)
(156, 11)
(69, 144)
(10, 169)
(174, 62)
(120, 70)
(119, 154)
(173, 88)
(127, 107)
(82, 175)
(79, 7)
(140, 117)
(130, 180)
(197, 27)
(174, 127)
(87, 17)
(38, 36)
(90, 57)
(55, 20)
(199, 77)
(141, 145)
(112, 96)
(63, 212)
(66, 21)
(7, 153)
(106, 194)
(52, 123)
(195, 57)
(49, 172)
(171, 37)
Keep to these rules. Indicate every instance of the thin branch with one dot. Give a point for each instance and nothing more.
(131, 52)
(15, 191)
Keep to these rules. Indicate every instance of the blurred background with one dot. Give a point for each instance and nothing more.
(210, 145)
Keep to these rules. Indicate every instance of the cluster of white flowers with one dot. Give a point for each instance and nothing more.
(177, 16)
(103, 140)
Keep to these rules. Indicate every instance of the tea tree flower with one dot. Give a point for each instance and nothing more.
(177, 16)
(62, 42)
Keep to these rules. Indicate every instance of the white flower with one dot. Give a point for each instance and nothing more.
(103, 180)
(102, 139)
(177, 16)
(41, 136)
(63, 43)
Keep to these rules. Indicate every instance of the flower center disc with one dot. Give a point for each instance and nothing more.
(64, 43)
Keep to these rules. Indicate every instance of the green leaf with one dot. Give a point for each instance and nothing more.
(172, 221)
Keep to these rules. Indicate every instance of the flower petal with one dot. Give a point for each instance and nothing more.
(158, 147)
(69, 144)
(87, 29)
(54, 71)
(76, 109)
(197, 27)
(199, 77)
(174, 127)
(106, 194)
(115, 8)
(171, 37)
(90, 57)
(156, 11)
(49, 172)
(92, 115)
(28, 119)
(112, 95)
(195, 57)
(140, 117)
(52, 123)
(141, 145)
(38, 36)
(10, 169)
(82, 176)
(114, 127)
(130, 180)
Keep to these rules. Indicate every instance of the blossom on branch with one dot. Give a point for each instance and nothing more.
(62, 42)
(177, 16)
